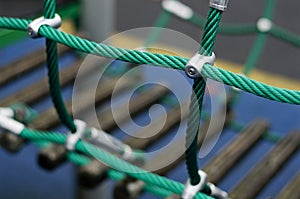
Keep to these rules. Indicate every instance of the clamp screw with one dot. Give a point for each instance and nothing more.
(191, 71)
(194, 66)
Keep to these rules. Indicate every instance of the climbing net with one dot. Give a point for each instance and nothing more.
(154, 183)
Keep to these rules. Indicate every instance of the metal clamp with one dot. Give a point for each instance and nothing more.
(34, 26)
(73, 138)
(264, 24)
(7, 112)
(219, 4)
(191, 190)
(216, 192)
(179, 9)
(11, 125)
(194, 66)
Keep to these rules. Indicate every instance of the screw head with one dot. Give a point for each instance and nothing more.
(30, 31)
(191, 71)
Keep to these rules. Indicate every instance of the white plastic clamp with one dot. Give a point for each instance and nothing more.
(179, 9)
(217, 192)
(219, 4)
(191, 190)
(264, 25)
(7, 112)
(11, 125)
(128, 153)
(194, 66)
(34, 26)
(73, 138)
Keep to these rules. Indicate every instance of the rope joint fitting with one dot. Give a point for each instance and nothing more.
(177, 8)
(195, 65)
(34, 26)
(217, 193)
(219, 4)
(73, 138)
(264, 25)
(191, 190)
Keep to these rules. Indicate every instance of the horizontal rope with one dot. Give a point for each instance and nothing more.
(112, 161)
(175, 62)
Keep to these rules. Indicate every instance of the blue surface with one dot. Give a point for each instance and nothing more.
(23, 177)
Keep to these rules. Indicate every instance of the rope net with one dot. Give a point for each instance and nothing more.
(155, 183)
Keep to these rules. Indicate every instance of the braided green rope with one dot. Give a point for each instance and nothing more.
(53, 72)
(207, 44)
(175, 62)
(285, 35)
(110, 160)
(82, 160)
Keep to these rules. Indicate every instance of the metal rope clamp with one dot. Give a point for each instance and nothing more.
(216, 192)
(219, 4)
(195, 65)
(34, 26)
(191, 190)
(73, 138)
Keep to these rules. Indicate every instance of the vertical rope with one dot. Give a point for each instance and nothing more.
(53, 72)
(207, 45)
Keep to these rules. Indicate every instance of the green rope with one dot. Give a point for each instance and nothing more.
(285, 35)
(255, 53)
(53, 72)
(112, 161)
(207, 44)
(175, 62)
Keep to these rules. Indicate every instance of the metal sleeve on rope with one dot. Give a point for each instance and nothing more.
(195, 65)
(34, 26)
(11, 125)
(7, 112)
(179, 9)
(216, 192)
(264, 25)
(219, 4)
(190, 190)
(73, 138)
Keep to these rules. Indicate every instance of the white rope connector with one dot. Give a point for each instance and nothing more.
(7, 112)
(11, 125)
(217, 192)
(34, 26)
(128, 153)
(73, 138)
(191, 190)
(219, 4)
(264, 25)
(177, 8)
(195, 65)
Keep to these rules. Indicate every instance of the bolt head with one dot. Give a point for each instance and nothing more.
(192, 71)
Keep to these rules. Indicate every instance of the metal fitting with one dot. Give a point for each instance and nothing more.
(191, 190)
(219, 4)
(179, 9)
(34, 26)
(194, 66)
(217, 192)
(73, 138)
(264, 24)
(7, 112)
